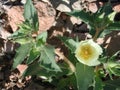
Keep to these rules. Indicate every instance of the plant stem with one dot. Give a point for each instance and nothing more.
(72, 67)
(96, 69)
(96, 34)
(98, 30)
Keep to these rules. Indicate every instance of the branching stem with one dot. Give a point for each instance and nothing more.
(72, 67)
(96, 34)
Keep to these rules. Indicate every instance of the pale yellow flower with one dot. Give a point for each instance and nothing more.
(87, 52)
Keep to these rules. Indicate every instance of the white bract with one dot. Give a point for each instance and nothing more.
(87, 52)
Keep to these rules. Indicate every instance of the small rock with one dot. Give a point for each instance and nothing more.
(63, 8)
(23, 1)
(116, 8)
(46, 15)
(4, 34)
(93, 7)
(15, 16)
(21, 68)
(77, 6)
(75, 20)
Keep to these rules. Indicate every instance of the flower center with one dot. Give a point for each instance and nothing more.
(86, 52)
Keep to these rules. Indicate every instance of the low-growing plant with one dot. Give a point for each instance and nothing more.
(87, 66)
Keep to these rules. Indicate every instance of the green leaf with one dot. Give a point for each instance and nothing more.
(25, 27)
(32, 69)
(23, 35)
(111, 16)
(98, 83)
(30, 14)
(34, 53)
(84, 16)
(71, 57)
(24, 31)
(41, 38)
(20, 37)
(65, 83)
(16, 35)
(70, 43)
(84, 76)
(47, 59)
(65, 69)
(106, 9)
(113, 26)
(113, 57)
(113, 65)
(92, 32)
(46, 73)
(23, 40)
(22, 53)
(115, 70)
(103, 59)
(36, 69)
(112, 84)
(104, 33)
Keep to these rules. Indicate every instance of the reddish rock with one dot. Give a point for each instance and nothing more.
(93, 7)
(22, 68)
(15, 16)
(46, 15)
(116, 8)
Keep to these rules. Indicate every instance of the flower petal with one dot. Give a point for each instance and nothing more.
(87, 52)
